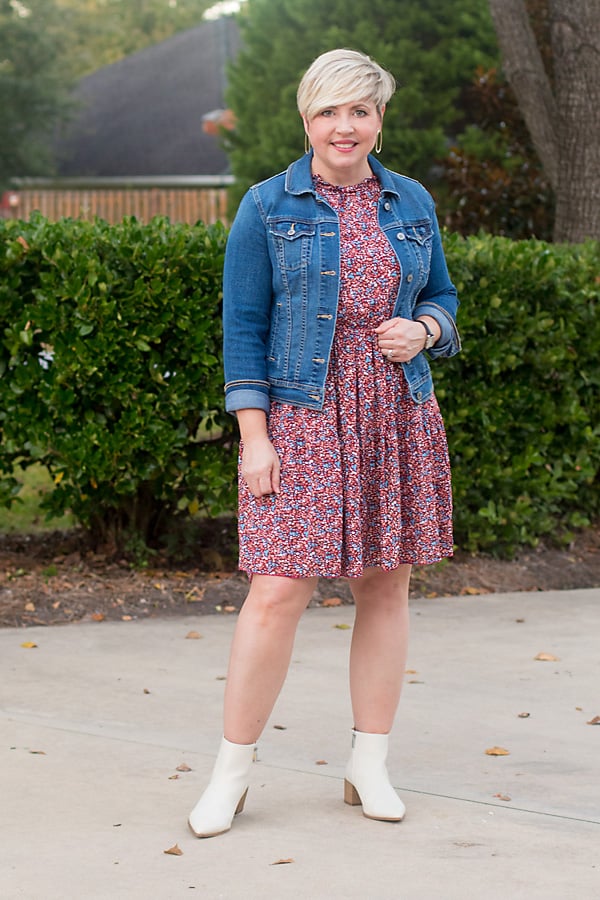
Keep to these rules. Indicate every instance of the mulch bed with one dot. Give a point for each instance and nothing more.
(55, 578)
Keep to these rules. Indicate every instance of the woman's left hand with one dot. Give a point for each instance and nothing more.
(400, 340)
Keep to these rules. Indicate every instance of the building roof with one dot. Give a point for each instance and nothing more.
(143, 114)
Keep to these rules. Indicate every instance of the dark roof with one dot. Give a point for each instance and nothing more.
(143, 114)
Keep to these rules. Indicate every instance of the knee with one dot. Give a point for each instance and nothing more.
(381, 590)
(273, 603)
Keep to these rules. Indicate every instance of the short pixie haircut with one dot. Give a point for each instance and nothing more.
(343, 76)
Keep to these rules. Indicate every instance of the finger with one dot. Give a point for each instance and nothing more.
(276, 479)
(385, 326)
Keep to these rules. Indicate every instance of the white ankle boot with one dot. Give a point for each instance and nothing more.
(367, 781)
(226, 792)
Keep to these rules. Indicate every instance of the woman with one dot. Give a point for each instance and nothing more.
(334, 284)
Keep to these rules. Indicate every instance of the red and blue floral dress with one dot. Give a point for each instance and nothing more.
(366, 480)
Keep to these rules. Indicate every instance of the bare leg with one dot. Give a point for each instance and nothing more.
(379, 647)
(261, 651)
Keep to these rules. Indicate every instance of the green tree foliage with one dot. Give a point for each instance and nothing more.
(432, 47)
(492, 177)
(33, 85)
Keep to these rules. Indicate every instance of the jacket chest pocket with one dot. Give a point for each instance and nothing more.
(293, 242)
(415, 240)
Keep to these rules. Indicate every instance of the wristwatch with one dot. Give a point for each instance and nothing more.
(430, 339)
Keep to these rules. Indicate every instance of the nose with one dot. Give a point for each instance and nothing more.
(344, 125)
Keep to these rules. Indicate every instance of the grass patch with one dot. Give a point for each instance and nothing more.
(26, 517)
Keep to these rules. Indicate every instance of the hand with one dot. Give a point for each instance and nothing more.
(260, 466)
(400, 340)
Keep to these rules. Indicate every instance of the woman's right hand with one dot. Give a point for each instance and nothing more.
(260, 462)
(260, 466)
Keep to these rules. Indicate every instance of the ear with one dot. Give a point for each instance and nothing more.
(305, 121)
(381, 112)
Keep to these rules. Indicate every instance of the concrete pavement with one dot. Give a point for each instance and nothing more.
(96, 720)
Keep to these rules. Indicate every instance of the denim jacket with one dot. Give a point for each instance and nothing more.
(281, 285)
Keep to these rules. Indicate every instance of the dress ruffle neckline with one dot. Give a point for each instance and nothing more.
(369, 182)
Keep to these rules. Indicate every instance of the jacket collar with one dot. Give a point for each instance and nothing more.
(298, 177)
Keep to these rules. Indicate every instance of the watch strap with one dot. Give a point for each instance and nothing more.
(430, 339)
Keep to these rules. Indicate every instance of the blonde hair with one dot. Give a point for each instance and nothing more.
(343, 76)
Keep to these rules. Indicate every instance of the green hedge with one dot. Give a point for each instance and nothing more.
(111, 370)
(522, 400)
(111, 377)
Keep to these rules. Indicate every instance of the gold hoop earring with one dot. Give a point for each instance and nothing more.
(379, 142)
(306, 143)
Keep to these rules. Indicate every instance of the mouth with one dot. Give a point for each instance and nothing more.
(344, 146)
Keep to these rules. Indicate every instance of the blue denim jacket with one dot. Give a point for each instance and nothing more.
(281, 285)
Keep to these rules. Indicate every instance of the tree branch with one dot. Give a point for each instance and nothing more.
(524, 69)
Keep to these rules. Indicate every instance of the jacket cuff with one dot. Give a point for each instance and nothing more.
(448, 342)
(246, 398)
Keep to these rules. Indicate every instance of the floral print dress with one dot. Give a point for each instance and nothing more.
(366, 480)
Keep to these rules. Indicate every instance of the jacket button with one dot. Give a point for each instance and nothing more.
(387, 205)
(409, 278)
(419, 395)
(401, 236)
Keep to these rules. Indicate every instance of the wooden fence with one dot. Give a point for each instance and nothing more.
(208, 204)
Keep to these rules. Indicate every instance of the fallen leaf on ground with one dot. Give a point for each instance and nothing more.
(29, 645)
(342, 626)
(594, 721)
(29, 607)
(283, 862)
(411, 672)
(524, 715)
(193, 636)
(126, 618)
(332, 601)
(38, 752)
(504, 797)
(173, 777)
(321, 762)
(497, 751)
(229, 609)
(280, 727)
(183, 767)
(174, 851)
(146, 691)
(473, 591)
(97, 617)
(547, 657)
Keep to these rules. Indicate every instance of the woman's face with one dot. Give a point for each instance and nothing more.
(342, 137)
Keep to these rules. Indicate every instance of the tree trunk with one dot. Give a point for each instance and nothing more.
(564, 122)
(524, 69)
(576, 51)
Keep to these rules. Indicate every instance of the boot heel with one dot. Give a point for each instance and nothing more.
(367, 781)
(351, 794)
(240, 807)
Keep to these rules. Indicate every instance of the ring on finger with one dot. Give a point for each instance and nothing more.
(390, 353)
